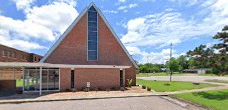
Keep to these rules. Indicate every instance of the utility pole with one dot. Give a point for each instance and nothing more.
(147, 62)
(171, 71)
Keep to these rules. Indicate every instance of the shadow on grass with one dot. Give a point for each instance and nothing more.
(220, 95)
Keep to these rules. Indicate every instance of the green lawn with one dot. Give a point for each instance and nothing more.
(217, 99)
(151, 74)
(161, 86)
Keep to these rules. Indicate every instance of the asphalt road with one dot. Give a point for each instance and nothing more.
(136, 103)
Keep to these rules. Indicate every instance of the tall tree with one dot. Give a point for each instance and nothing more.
(182, 60)
(173, 65)
(221, 58)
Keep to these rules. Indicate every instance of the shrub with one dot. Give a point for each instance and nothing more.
(86, 89)
(67, 90)
(74, 90)
(143, 87)
(129, 82)
(167, 84)
(108, 90)
(148, 89)
(194, 83)
(122, 89)
(96, 89)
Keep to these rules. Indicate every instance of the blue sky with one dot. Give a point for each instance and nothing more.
(146, 27)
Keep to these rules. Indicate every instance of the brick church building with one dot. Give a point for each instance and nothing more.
(89, 53)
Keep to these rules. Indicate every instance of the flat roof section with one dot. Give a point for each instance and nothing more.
(27, 64)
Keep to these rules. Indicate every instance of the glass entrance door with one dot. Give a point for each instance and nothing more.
(31, 80)
(50, 79)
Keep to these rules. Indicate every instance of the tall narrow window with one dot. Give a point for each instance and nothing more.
(92, 34)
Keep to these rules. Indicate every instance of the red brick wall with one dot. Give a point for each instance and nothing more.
(98, 78)
(73, 49)
(65, 79)
(20, 56)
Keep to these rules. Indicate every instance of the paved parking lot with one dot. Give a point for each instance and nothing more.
(136, 103)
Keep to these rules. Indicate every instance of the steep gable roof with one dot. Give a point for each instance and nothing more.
(75, 22)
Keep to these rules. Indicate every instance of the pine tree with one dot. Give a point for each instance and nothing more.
(221, 58)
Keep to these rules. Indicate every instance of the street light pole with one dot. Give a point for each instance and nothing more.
(171, 72)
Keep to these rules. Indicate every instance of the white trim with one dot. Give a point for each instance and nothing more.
(75, 22)
(59, 79)
(49, 65)
(23, 70)
(40, 92)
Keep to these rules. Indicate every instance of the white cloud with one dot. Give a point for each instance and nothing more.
(122, 1)
(110, 11)
(22, 44)
(133, 5)
(23, 4)
(152, 57)
(160, 29)
(187, 2)
(126, 7)
(42, 23)
(53, 16)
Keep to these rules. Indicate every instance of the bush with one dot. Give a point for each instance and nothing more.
(67, 90)
(108, 90)
(143, 87)
(195, 83)
(86, 89)
(129, 82)
(148, 89)
(167, 84)
(74, 90)
(122, 89)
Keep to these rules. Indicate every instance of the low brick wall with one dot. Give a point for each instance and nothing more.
(98, 78)
(7, 87)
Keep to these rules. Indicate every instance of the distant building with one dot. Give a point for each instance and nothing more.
(8, 54)
(198, 71)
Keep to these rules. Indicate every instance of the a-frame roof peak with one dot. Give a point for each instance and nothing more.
(75, 22)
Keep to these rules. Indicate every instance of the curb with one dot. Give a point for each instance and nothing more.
(34, 100)
(195, 104)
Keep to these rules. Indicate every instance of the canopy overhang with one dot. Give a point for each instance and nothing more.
(49, 65)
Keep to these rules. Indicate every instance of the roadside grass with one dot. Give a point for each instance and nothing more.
(217, 81)
(216, 99)
(210, 74)
(175, 74)
(151, 74)
(160, 74)
(166, 86)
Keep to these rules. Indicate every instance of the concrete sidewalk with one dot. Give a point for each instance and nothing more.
(64, 96)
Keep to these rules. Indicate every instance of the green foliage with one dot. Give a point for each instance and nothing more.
(202, 57)
(150, 68)
(129, 82)
(173, 65)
